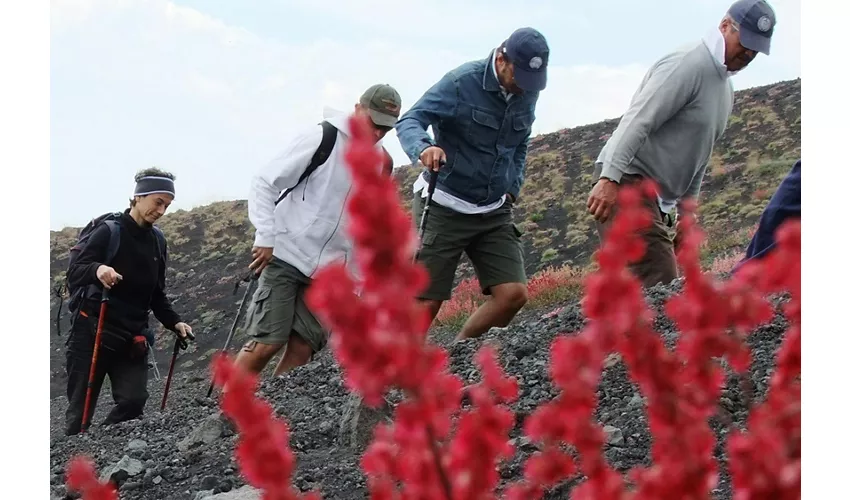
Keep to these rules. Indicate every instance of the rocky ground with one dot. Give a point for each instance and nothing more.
(185, 452)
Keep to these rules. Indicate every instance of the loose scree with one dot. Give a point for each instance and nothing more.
(436, 449)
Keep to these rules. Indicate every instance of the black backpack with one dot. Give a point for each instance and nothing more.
(76, 296)
(319, 157)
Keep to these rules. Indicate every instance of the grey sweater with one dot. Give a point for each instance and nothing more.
(668, 133)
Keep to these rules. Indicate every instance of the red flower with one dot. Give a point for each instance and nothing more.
(81, 477)
(263, 452)
(435, 449)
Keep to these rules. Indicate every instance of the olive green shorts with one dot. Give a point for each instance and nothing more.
(278, 308)
(490, 240)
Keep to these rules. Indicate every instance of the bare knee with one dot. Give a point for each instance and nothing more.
(254, 356)
(298, 352)
(510, 296)
(433, 307)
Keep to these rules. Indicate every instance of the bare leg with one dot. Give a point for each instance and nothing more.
(433, 307)
(504, 303)
(297, 353)
(253, 357)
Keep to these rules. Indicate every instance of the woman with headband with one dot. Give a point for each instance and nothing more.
(135, 278)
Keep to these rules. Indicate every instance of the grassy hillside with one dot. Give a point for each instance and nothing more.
(210, 246)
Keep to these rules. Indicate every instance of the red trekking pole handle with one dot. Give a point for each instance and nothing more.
(179, 343)
(103, 301)
(170, 373)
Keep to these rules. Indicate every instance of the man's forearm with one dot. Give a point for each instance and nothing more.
(412, 134)
(439, 102)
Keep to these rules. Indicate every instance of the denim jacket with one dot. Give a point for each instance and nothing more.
(485, 137)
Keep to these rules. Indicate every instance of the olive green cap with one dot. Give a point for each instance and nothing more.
(383, 103)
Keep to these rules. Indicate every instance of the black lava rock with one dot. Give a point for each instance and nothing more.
(188, 448)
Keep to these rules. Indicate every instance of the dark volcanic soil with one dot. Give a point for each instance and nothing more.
(164, 465)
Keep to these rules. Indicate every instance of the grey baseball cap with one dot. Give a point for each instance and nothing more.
(383, 103)
(756, 19)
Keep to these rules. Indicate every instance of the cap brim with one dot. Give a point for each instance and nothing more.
(381, 119)
(530, 81)
(755, 41)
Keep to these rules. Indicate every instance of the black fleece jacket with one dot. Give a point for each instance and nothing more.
(142, 288)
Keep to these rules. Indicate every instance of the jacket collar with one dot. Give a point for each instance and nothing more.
(490, 81)
(132, 226)
(340, 121)
(716, 45)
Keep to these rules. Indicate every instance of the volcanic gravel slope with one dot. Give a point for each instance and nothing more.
(186, 451)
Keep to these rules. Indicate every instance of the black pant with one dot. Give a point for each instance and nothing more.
(128, 375)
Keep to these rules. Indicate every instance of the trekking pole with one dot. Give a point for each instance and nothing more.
(157, 376)
(59, 293)
(97, 338)
(251, 279)
(432, 186)
(179, 343)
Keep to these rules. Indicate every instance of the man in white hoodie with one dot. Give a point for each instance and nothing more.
(302, 232)
(668, 133)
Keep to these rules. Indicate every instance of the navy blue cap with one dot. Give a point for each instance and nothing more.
(756, 19)
(528, 50)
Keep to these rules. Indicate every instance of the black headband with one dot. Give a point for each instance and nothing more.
(153, 184)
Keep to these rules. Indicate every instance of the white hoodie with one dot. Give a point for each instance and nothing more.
(308, 228)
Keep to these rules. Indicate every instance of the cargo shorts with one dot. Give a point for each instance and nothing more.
(491, 241)
(658, 263)
(278, 307)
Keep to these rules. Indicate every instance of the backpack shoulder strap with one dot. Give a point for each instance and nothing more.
(319, 157)
(112, 221)
(114, 239)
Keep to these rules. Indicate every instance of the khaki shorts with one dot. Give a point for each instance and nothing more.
(278, 308)
(490, 240)
(658, 264)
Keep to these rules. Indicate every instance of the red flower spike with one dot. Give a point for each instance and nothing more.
(433, 450)
(549, 467)
(681, 387)
(262, 451)
(82, 478)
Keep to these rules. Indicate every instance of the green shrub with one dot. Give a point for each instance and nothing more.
(549, 254)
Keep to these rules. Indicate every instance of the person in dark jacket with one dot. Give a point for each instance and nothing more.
(783, 205)
(135, 279)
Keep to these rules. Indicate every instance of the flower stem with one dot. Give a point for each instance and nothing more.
(444, 479)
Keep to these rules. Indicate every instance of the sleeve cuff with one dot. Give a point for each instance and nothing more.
(422, 146)
(93, 271)
(264, 240)
(611, 172)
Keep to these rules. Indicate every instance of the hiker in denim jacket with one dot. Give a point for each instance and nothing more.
(481, 113)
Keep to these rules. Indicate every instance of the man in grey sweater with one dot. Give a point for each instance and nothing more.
(668, 133)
